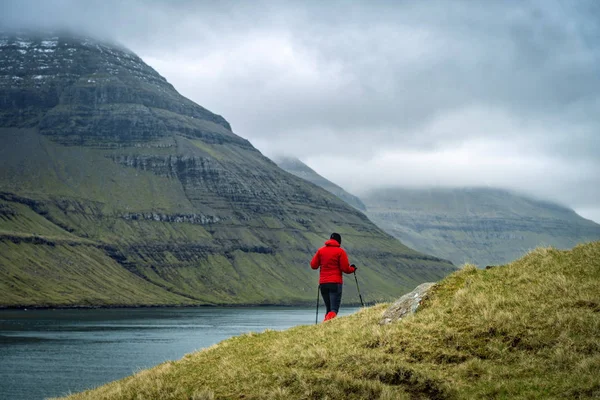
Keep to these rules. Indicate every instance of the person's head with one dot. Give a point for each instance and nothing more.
(337, 237)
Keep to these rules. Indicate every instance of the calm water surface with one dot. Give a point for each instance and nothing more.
(46, 353)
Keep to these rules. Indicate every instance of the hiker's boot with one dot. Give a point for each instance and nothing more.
(330, 315)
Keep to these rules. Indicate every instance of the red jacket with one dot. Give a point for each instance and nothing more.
(333, 260)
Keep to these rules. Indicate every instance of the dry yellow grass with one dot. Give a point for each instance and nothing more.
(530, 329)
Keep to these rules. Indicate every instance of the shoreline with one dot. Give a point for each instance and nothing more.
(149, 306)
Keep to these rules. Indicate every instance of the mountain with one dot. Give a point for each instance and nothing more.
(301, 170)
(117, 190)
(482, 226)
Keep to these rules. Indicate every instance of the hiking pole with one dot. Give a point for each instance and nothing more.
(317, 316)
(357, 288)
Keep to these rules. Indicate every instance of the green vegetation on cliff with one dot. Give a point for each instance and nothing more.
(530, 329)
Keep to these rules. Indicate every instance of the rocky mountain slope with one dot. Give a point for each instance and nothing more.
(301, 170)
(483, 226)
(117, 190)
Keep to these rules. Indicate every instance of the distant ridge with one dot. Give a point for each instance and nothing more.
(301, 170)
(482, 226)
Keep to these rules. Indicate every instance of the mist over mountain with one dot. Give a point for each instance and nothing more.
(117, 190)
(482, 226)
(301, 170)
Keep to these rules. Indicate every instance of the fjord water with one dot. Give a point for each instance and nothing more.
(47, 353)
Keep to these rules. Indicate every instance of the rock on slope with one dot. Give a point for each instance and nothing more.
(117, 190)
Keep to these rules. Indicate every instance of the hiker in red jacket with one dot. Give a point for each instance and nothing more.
(333, 260)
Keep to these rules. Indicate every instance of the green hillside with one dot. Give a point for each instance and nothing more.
(526, 330)
(116, 190)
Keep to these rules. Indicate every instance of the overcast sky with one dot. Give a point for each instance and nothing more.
(391, 93)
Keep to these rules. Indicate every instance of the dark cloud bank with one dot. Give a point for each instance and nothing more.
(503, 94)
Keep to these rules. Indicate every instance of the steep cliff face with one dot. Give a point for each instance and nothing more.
(115, 189)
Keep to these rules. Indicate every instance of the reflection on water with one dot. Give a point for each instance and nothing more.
(46, 353)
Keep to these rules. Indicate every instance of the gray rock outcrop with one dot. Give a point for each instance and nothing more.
(406, 304)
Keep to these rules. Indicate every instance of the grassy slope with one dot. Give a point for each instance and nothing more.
(44, 265)
(530, 329)
(88, 278)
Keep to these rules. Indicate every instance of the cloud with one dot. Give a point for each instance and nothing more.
(498, 93)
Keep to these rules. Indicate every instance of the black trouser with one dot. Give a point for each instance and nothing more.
(332, 296)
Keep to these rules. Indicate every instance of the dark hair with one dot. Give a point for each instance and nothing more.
(337, 237)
